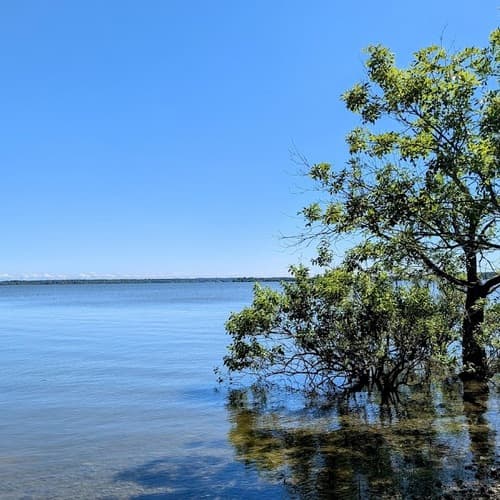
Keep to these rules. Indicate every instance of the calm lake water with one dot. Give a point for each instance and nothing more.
(108, 391)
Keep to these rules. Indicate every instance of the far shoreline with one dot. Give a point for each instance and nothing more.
(123, 281)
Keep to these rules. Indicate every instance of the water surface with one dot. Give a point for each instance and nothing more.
(107, 391)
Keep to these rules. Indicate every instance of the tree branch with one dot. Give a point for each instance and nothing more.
(491, 284)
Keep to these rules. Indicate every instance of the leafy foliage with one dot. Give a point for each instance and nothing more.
(343, 330)
(421, 186)
(428, 187)
(420, 192)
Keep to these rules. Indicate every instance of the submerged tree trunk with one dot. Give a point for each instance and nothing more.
(473, 352)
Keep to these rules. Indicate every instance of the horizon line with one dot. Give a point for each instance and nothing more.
(76, 281)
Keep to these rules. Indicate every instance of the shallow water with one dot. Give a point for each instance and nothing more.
(107, 391)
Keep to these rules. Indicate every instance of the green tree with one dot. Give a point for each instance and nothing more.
(421, 186)
(343, 331)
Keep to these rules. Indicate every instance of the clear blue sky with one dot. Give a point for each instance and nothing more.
(153, 138)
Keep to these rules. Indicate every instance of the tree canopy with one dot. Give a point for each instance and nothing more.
(419, 193)
(421, 186)
(342, 331)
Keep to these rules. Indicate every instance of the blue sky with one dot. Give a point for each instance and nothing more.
(153, 138)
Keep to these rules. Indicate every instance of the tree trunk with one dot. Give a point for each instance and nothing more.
(473, 353)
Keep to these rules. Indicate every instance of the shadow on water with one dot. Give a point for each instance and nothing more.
(440, 442)
(196, 477)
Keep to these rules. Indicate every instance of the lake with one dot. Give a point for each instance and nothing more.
(108, 391)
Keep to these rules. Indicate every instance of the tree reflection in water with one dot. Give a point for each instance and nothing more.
(439, 442)
(482, 435)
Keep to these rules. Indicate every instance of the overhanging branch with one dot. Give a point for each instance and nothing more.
(491, 284)
(440, 272)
